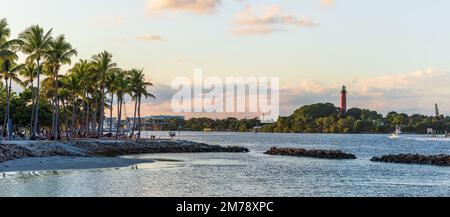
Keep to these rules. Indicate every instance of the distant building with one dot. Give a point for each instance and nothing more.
(145, 121)
(107, 121)
(165, 117)
(157, 119)
(266, 121)
(436, 110)
(344, 99)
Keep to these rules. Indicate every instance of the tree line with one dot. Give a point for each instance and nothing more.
(320, 118)
(57, 105)
(326, 118)
(200, 124)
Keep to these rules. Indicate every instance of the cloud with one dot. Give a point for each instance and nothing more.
(400, 81)
(162, 92)
(192, 6)
(327, 3)
(414, 92)
(149, 37)
(255, 30)
(266, 20)
(409, 92)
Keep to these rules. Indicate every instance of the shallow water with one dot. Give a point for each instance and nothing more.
(256, 174)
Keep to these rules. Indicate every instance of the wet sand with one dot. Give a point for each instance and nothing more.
(68, 163)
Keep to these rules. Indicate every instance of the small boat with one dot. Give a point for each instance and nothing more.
(257, 129)
(397, 133)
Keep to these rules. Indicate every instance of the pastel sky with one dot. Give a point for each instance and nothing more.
(392, 55)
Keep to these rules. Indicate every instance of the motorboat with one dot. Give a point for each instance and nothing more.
(397, 133)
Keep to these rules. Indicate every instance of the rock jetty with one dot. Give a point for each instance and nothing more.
(298, 152)
(104, 148)
(437, 160)
(114, 149)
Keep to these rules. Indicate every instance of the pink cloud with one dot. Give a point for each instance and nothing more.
(193, 6)
(255, 30)
(267, 19)
(327, 3)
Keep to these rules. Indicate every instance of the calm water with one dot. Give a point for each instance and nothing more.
(255, 174)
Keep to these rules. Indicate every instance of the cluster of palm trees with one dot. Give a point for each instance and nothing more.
(79, 97)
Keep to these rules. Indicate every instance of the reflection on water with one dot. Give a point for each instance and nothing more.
(256, 174)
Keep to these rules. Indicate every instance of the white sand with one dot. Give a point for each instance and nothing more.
(67, 163)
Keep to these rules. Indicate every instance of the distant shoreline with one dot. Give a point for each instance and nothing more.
(362, 133)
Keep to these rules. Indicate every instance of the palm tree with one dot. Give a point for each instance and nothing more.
(7, 57)
(65, 95)
(47, 84)
(35, 43)
(122, 87)
(91, 95)
(138, 89)
(135, 80)
(87, 83)
(72, 84)
(7, 47)
(103, 66)
(9, 73)
(111, 81)
(83, 70)
(29, 74)
(60, 52)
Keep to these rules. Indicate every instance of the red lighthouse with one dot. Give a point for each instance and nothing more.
(344, 99)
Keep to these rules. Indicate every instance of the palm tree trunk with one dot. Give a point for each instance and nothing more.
(54, 100)
(134, 117)
(32, 107)
(111, 114)
(36, 117)
(139, 117)
(119, 116)
(57, 114)
(9, 108)
(6, 120)
(73, 125)
(66, 131)
(6, 108)
(93, 126)
(53, 134)
(58, 120)
(94, 114)
(86, 127)
(102, 113)
(83, 117)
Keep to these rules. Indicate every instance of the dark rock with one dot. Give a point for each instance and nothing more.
(149, 147)
(108, 148)
(437, 160)
(11, 152)
(298, 152)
